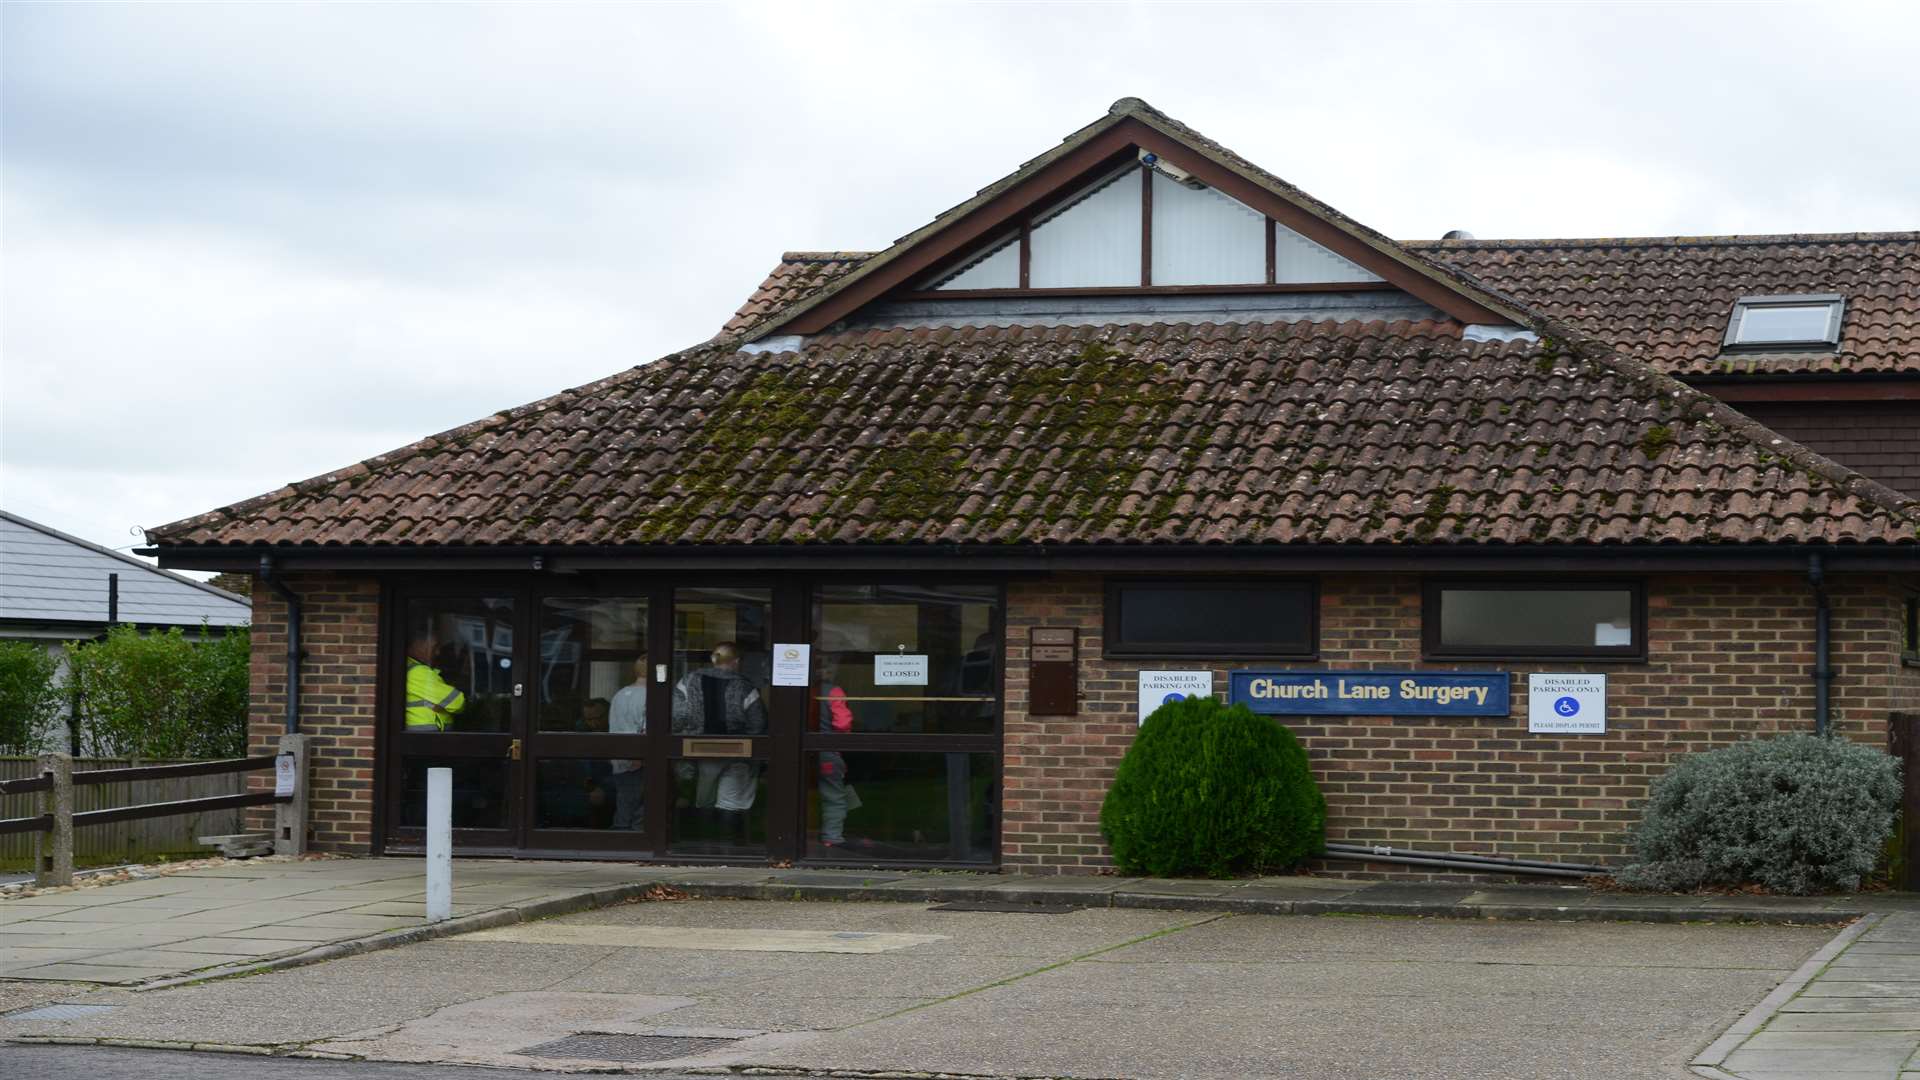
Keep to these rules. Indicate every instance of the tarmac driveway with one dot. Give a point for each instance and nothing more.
(1089, 993)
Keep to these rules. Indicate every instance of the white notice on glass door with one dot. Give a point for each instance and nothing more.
(790, 664)
(904, 669)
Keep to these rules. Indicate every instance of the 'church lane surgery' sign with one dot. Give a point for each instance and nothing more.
(1370, 693)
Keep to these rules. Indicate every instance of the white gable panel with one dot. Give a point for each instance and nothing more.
(1205, 238)
(998, 269)
(1093, 242)
(1298, 260)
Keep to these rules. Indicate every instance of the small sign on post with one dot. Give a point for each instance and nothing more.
(1566, 704)
(284, 775)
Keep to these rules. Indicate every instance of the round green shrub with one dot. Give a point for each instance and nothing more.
(1796, 813)
(1212, 790)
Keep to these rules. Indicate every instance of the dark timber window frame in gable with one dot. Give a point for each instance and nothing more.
(1835, 304)
(1023, 235)
(1235, 591)
(998, 210)
(1433, 648)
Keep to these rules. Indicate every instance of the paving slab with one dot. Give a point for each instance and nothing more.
(1844, 1011)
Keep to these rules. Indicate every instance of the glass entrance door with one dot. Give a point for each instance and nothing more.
(587, 744)
(456, 700)
(721, 715)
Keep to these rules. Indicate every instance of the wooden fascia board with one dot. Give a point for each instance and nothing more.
(1836, 388)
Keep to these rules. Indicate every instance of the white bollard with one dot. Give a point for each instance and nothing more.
(439, 844)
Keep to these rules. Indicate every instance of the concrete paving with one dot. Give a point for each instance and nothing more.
(1096, 992)
(1852, 1011)
(244, 912)
(243, 915)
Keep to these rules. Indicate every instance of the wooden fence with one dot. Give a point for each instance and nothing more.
(116, 842)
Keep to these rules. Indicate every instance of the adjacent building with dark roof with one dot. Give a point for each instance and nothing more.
(1136, 414)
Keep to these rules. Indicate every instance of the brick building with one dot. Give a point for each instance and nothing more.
(873, 576)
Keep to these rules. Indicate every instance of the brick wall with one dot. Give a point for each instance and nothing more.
(1881, 439)
(1729, 657)
(339, 632)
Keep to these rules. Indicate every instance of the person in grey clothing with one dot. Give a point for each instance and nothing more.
(718, 700)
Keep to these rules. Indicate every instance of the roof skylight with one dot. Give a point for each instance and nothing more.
(1786, 322)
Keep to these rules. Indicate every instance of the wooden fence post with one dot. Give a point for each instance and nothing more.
(290, 818)
(55, 863)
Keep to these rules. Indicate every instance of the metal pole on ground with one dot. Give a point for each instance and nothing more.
(439, 844)
(55, 863)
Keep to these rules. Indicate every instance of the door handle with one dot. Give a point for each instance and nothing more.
(513, 750)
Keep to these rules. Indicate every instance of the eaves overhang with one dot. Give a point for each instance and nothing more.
(1110, 558)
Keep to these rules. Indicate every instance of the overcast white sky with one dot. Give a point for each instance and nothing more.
(247, 244)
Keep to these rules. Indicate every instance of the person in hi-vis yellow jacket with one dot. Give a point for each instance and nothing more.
(431, 702)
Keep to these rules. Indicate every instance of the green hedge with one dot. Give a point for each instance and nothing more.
(1212, 790)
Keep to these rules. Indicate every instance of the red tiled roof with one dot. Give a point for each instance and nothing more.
(1667, 299)
(1245, 434)
(799, 275)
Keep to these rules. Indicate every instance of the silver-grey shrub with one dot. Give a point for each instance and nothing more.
(1795, 813)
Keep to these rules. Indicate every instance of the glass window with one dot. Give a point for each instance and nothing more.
(479, 792)
(906, 659)
(722, 661)
(1227, 618)
(919, 807)
(1911, 628)
(1525, 620)
(593, 665)
(1786, 320)
(459, 664)
(583, 793)
(719, 807)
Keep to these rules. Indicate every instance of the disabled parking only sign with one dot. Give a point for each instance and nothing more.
(1566, 704)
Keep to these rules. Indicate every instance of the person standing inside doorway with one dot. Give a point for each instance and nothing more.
(718, 700)
(836, 795)
(629, 717)
(431, 701)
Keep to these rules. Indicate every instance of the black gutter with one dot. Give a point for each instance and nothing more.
(1822, 658)
(293, 641)
(563, 558)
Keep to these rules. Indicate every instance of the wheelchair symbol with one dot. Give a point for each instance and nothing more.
(1566, 706)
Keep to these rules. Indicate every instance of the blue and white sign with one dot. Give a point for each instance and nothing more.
(1566, 704)
(1157, 688)
(1371, 693)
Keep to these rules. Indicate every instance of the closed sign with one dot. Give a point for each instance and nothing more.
(908, 669)
(1564, 704)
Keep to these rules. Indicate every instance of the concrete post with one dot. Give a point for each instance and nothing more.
(439, 844)
(55, 865)
(290, 818)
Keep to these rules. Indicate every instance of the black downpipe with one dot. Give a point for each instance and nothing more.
(113, 600)
(1822, 651)
(293, 641)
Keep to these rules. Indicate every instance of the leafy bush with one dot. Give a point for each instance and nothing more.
(160, 695)
(1208, 789)
(1797, 814)
(30, 696)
